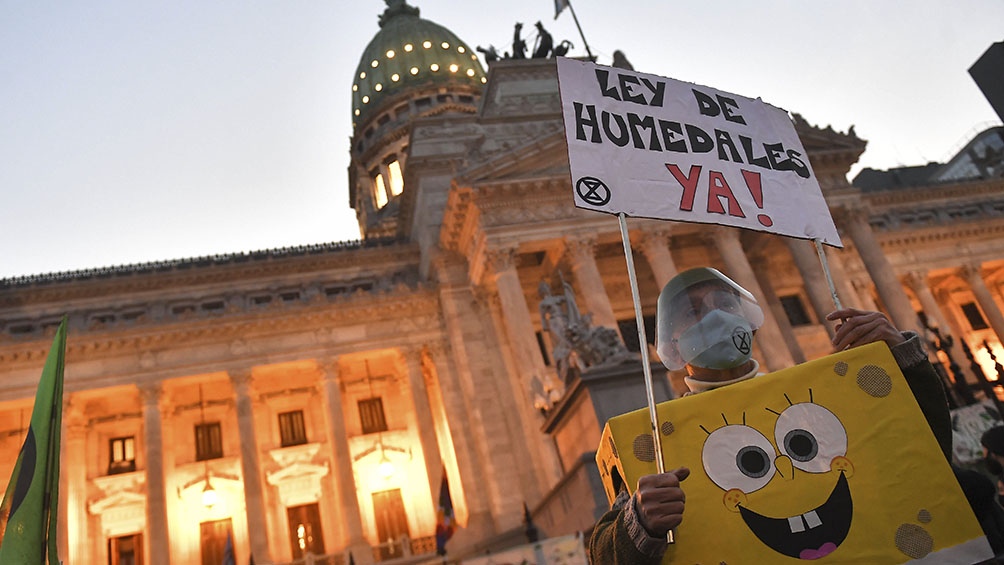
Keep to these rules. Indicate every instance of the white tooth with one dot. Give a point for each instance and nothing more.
(812, 519)
(796, 524)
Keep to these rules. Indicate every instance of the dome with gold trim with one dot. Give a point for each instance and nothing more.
(409, 52)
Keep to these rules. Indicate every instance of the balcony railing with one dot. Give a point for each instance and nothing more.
(402, 551)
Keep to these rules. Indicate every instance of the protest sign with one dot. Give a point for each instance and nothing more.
(831, 460)
(654, 147)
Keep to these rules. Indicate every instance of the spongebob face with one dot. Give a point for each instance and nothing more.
(741, 461)
(831, 461)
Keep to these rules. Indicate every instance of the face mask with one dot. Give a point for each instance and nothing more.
(993, 465)
(718, 341)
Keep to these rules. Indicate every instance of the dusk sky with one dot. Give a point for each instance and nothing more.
(146, 131)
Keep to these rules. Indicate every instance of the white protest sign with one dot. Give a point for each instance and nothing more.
(654, 147)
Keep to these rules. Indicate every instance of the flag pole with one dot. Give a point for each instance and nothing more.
(660, 465)
(826, 271)
(582, 35)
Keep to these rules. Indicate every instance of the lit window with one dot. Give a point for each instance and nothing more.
(371, 415)
(461, 49)
(445, 45)
(378, 87)
(427, 44)
(396, 178)
(454, 67)
(362, 74)
(208, 441)
(374, 63)
(470, 72)
(292, 430)
(366, 99)
(395, 77)
(434, 67)
(121, 455)
(379, 192)
(408, 47)
(414, 70)
(390, 54)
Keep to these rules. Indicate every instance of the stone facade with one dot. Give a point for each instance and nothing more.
(258, 373)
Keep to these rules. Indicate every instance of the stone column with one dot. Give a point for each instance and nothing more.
(587, 275)
(806, 259)
(761, 269)
(343, 476)
(974, 276)
(655, 248)
(156, 502)
(423, 419)
(845, 290)
(458, 419)
(518, 327)
(74, 540)
(890, 290)
(918, 281)
(254, 497)
(769, 339)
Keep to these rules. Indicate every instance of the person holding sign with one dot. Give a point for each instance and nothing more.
(705, 325)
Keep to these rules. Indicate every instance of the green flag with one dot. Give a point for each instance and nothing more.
(29, 511)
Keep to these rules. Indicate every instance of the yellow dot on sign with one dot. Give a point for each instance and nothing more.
(454, 67)
(390, 54)
(445, 45)
(362, 74)
(374, 63)
(408, 47)
(366, 99)
(414, 70)
(434, 67)
(461, 49)
(427, 44)
(470, 72)
(378, 87)
(355, 88)
(395, 77)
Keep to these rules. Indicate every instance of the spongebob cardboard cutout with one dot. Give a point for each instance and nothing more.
(830, 461)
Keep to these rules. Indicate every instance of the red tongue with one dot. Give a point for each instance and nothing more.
(824, 550)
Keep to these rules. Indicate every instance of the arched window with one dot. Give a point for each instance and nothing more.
(379, 191)
(388, 181)
(396, 178)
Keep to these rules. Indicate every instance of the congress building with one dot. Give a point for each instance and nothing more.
(311, 403)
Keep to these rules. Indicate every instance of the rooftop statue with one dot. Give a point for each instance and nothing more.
(544, 43)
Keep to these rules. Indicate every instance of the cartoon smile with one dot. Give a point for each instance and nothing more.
(811, 535)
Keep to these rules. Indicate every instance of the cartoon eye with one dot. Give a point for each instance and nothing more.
(738, 457)
(811, 436)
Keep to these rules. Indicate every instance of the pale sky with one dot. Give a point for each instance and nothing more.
(133, 132)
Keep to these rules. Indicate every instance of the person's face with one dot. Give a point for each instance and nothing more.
(698, 300)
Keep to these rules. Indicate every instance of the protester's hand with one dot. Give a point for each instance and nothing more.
(861, 327)
(659, 501)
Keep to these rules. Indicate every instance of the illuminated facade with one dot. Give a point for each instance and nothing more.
(311, 399)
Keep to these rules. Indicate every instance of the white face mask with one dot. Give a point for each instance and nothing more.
(720, 340)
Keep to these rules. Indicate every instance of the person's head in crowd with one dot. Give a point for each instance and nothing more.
(993, 450)
(705, 324)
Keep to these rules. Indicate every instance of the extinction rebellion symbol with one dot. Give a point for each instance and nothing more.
(592, 191)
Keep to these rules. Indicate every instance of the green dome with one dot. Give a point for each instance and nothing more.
(406, 53)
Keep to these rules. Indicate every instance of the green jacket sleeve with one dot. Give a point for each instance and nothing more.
(617, 536)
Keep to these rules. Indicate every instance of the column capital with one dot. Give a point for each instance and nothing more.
(241, 377)
(972, 272)
(656, 235)
(917, 279)
(500, 259)
(329, 368)
(151, 393)
(580, 247)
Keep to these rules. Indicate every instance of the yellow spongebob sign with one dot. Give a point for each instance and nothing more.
(831, 461)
